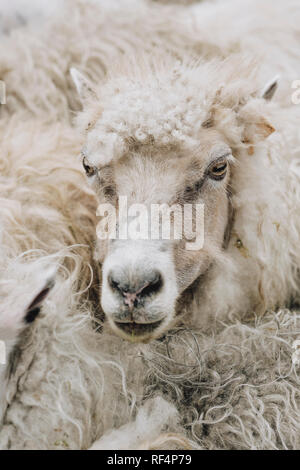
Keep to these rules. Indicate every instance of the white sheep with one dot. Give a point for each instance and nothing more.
(194, 112)
(159, 134)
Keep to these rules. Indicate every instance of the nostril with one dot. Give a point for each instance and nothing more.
(115, 285)
(152, 286)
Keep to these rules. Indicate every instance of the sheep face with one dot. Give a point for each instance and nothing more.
(143, 278)
(153, 145)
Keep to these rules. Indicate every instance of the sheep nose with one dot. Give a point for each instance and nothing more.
(135, 291)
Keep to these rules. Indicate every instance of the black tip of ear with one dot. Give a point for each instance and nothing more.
(32, 314)
(270, 89)
(39, 298)
(35, 306)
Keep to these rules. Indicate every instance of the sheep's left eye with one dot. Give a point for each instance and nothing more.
(218, 171)
(90, 170)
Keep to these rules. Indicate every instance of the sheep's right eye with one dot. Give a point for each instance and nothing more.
(218, 170)
(90, 170)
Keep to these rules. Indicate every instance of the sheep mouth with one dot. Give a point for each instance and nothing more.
(138, 329)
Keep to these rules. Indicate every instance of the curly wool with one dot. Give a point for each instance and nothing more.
(155, 105)
(68, 384)
(237, 388)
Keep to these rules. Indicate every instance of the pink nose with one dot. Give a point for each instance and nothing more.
(130, 297)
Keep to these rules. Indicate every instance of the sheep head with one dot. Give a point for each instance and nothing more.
(163, 136)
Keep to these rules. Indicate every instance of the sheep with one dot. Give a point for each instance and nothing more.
(235, 115)
(223, 145)
(135, 143)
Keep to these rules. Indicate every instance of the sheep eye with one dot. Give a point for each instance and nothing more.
(218, 171)
(90, 170)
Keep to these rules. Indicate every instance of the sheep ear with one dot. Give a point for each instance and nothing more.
(270, 88)
(34, 307)
(83, 85)
(264, 129)
(256, 125)
(257, 131)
